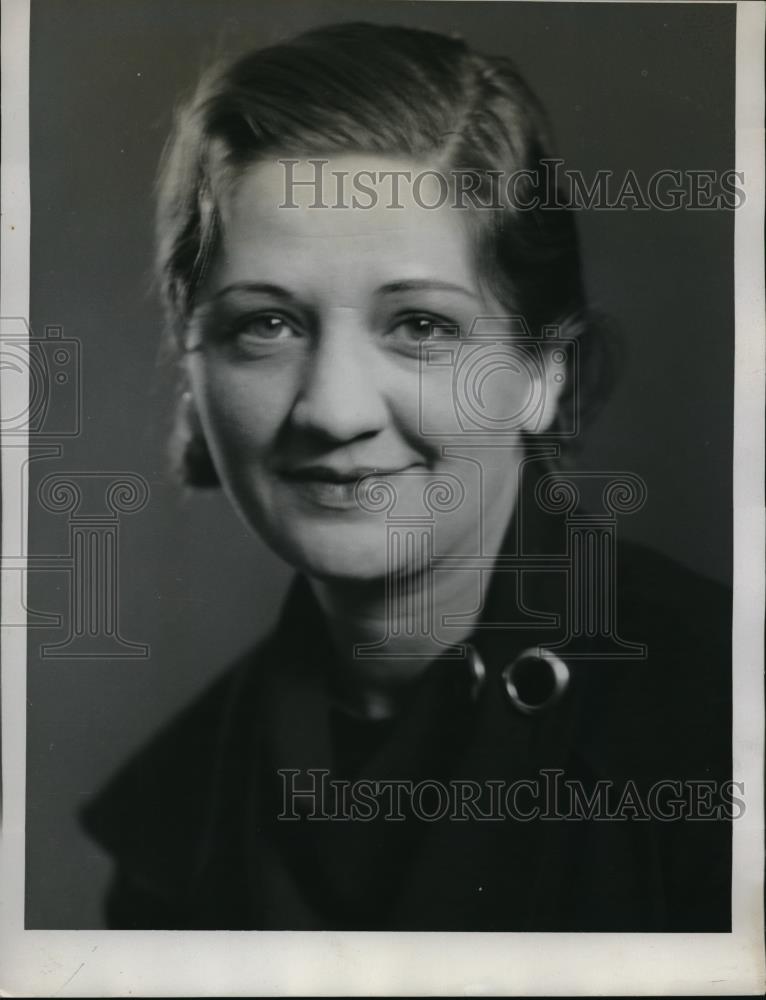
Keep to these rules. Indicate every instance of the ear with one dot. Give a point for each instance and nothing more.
(550, 380)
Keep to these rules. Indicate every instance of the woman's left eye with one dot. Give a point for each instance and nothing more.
(416, 328)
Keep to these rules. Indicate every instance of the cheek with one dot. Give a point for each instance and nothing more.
(482, 389)
(508, 399)
(240, 409)
(437, 412)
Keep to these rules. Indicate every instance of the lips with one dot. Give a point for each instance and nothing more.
(333, 487)
(328, 474)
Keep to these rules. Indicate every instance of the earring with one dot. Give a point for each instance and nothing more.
(191, 456)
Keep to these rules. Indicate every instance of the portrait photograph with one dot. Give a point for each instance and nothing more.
(382, 497)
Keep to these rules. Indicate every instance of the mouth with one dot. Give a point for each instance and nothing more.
(333, 487)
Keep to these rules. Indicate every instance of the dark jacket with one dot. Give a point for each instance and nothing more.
(206, 833)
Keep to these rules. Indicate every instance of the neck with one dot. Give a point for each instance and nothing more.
(404, 617)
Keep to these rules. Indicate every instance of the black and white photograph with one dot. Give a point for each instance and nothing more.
(382, 497)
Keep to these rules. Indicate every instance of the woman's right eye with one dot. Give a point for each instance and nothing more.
(266, 327)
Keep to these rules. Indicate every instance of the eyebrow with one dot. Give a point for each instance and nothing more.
(424, 285)
(264, 287)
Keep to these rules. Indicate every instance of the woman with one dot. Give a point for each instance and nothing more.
(471, 715)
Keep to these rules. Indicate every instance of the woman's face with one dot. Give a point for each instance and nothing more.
(316, 359)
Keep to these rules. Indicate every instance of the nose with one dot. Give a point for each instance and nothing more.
(339, 399)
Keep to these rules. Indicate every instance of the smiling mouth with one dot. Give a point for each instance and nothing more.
(334, 488)
(327, 474)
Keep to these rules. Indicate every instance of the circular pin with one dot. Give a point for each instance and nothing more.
(535, 680)
(477, 671)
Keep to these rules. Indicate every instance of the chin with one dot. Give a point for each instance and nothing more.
(346, 553)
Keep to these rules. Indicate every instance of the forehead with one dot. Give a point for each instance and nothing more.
(271, 219)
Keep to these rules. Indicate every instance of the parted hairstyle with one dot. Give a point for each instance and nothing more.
(365, 88)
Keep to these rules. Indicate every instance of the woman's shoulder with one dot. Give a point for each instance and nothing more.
(681, 616)
(152, 808)
(657, 580)
(666, 701)
(178, 772)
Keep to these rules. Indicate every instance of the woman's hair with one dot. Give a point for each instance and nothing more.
(392, 91)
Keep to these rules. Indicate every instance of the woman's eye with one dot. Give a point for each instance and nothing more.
(408, 333)
(267, 326)
(416, 328)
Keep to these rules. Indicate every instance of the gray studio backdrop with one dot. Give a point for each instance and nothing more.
(627, 86)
